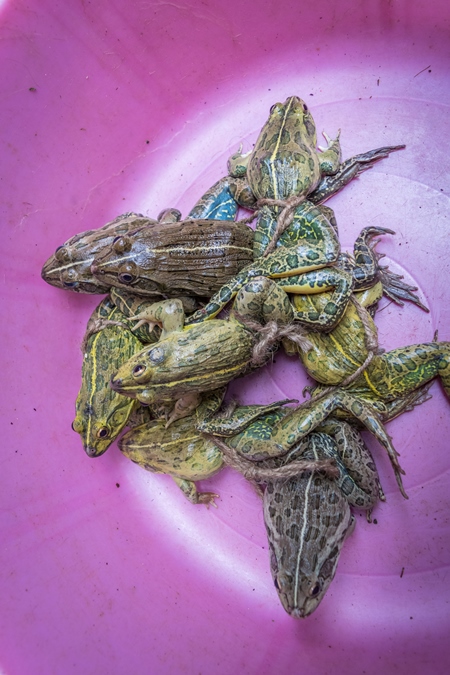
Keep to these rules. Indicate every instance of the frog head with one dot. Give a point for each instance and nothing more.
(70, 266)
(293, 116)
(100, 420)
(202, 357)
(284, 161)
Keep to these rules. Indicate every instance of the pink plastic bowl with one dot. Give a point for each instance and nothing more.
(115, 106)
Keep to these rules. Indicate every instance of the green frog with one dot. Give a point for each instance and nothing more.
(190, 360)
(101, 413)
(181, 451)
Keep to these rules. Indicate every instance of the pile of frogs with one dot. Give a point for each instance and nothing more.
(157, 358)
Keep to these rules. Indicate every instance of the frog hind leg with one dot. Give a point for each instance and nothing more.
(168, 314)
(403, 370)
(218, 202)
(307, 417)
(360, 467)
(190, 491)
(318, 281)
(368, 270)
(241, 418)
(348, 170)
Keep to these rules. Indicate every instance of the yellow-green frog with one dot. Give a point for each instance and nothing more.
(101, 413)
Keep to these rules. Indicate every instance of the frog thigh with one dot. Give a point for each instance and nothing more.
(403, 370)
(263, 300)
(364, 488)
(217, 203)
(319, 281)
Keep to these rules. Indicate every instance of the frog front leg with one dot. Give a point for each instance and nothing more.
(218, 202)
(190, 491)
(348, 170)
(359, 482)
(330, 157)
(167, 314)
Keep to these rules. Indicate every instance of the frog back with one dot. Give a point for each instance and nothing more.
(178, 450)
(101, 413)
(193, 257)
(307, 519)
(335, 355)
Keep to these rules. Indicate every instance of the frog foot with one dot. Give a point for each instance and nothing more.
(143, 320)
(184, 407)
(366, 257)
(207, 498)
(396, 289)
(329, 140)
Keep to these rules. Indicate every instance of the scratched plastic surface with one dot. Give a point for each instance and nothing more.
(116, 106)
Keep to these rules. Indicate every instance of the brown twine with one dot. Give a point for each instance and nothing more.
(284, 219)
(256, 474)
(271, 333)
(95, 327)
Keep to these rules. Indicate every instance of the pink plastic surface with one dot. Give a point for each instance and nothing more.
(115, 105)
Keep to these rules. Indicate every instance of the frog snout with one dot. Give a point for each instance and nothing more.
(298, 613)
(115, 382)
(90, 451)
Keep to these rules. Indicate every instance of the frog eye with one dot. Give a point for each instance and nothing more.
(315, 589)
(139, 370)
(277, 107)
(121, 244)
(103, 432)
(305, 108)
(126, 278)
(127, 273)
(62, 254)
(156, 355)
(77, 425)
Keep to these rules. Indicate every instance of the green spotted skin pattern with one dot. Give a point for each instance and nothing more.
(307, 520)
(401, 371)
(282, 263)
(101, 413)
(285, 160)
(315, 224)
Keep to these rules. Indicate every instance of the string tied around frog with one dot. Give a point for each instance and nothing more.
(285, 218)
(269, 334)
(371, 342)
(255, 473)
